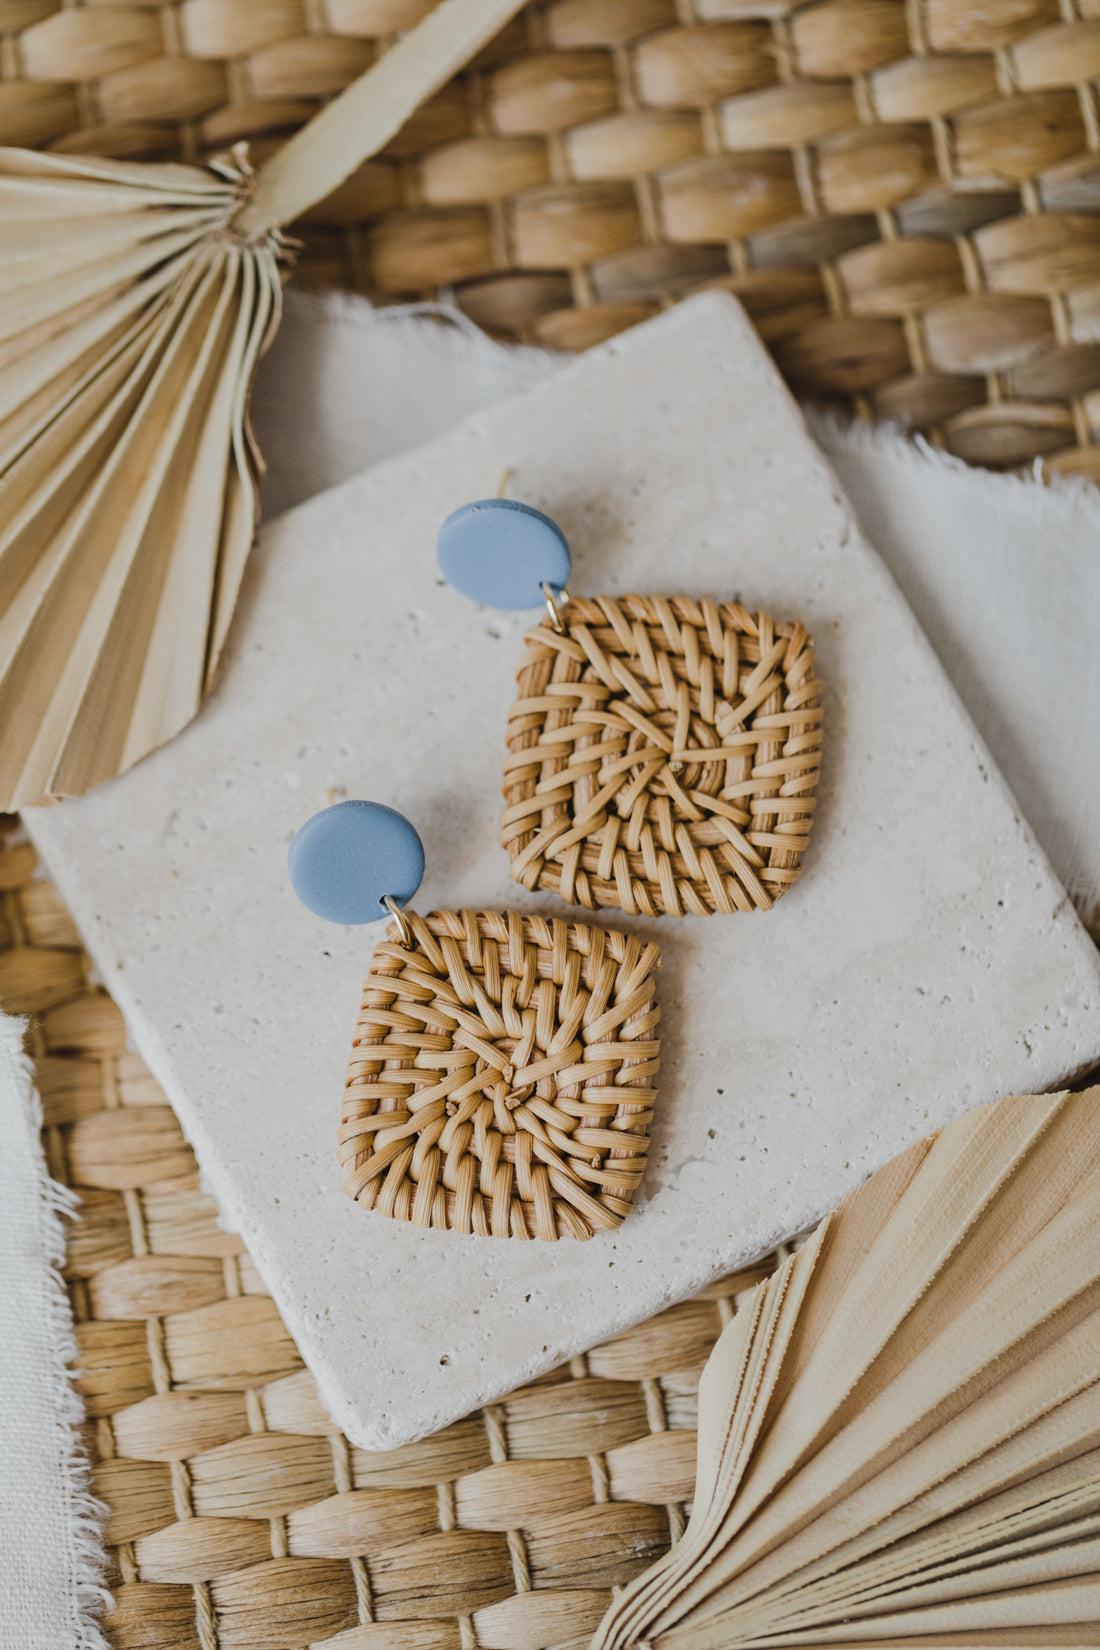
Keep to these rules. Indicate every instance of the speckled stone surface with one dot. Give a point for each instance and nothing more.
(926, 961)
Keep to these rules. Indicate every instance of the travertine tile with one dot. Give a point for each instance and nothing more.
(926, 961)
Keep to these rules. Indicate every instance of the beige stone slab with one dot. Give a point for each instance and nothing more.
(927, 960)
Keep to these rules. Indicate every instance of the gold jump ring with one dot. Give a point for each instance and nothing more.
(552, 607)
(399, 918)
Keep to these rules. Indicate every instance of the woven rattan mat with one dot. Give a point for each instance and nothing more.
(240, 1518)
(904, 193)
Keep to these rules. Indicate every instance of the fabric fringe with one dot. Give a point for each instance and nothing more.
(85, 1516)
(833, 429)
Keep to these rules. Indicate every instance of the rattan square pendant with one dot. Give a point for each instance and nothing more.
(663, 756)
(502, 1076)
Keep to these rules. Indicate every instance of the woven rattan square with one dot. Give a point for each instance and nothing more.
(502, 1076)
(663, 756)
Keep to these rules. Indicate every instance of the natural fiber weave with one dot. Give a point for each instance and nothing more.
(240, 1517)
(502, 1076)
(904, 193)
(663, 756)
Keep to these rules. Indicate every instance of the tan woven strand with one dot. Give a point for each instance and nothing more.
(502, 1076)
(663, 756)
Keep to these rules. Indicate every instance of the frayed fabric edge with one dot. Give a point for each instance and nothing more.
(832, 428)
(350, 309)
(85, 1516)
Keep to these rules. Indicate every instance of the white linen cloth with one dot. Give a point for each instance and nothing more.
(51, 1555)
(1003, 573)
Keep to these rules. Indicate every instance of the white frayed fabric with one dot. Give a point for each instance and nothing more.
(51, 1548)
(345, 385)
(1003, 573)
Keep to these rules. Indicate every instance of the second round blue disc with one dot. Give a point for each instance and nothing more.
(346, 859)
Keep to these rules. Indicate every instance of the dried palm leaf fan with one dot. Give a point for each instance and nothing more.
(899, 1436)
(135, 302)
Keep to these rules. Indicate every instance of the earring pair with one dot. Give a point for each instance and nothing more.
(662, 759)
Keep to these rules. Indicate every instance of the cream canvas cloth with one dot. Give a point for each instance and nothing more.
(1003, 574)
(51, 1556)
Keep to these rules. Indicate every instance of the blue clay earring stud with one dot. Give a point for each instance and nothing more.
(503, 1070)
(355, 861)
(504, 554)
(663, 751)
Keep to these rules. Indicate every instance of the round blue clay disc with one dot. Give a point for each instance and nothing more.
(500, 553)
(346, 859)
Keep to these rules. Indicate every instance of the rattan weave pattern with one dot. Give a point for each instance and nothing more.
(240, 1518)
(904, 193)
(502, 1075)
(663, 756)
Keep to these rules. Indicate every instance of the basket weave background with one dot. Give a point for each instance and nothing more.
(906, 196)
(240, 1518)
